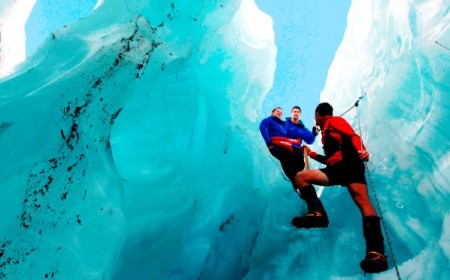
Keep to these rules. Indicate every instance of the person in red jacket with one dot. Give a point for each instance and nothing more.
(344, 158)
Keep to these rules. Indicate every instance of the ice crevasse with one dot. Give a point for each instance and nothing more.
(130, 147)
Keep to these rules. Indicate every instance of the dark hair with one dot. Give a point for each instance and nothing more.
(296, 107)
(276, 108)
(324, 109)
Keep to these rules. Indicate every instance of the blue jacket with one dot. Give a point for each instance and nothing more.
(295, 131)
(272, 126)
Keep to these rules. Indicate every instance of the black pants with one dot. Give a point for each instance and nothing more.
(291, 163)
(344, 173)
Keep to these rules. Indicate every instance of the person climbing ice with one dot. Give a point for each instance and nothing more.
(344, 158)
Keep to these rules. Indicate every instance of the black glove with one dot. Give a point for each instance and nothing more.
(314, 130)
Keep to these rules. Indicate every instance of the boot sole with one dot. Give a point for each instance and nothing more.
(299, 222)
(374, 266)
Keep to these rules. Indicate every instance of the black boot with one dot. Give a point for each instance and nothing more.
(316, 216)
(375, 261)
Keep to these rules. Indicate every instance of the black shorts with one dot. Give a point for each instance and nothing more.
(344, 173)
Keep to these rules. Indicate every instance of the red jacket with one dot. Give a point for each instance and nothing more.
(340, 142)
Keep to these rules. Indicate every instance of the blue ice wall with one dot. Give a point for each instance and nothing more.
(130, 147)
(47, 16)
(125, 144)
(400, 66)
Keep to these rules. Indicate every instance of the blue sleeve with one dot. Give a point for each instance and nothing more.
(307, 135)
(301, 124)
(264, 128)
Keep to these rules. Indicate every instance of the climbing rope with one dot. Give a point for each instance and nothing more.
(442, 45)
(372, 187)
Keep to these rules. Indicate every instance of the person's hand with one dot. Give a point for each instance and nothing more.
(307, 149)
(364, 155)
(314, 130)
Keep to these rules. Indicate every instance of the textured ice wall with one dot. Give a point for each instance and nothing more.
(135, 132)
(397, 55)
(130, 149)
(13, 17)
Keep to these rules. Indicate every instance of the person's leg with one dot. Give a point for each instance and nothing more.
(298, 161)
(375, 261)
(316, 216)
(359, 194)
(309, 177)
(284, 157)
(295, 163)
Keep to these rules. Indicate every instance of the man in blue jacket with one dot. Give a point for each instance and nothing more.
(273, 126)
(295, 129)
(284, 138)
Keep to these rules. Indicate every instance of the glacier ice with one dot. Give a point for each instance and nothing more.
(130, 147)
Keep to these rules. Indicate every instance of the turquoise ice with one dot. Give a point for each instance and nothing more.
(130, 147)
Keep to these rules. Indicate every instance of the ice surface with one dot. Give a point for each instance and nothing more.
(130, 147)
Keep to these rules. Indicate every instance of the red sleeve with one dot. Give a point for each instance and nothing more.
(341, 126)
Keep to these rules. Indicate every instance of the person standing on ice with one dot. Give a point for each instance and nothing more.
(284, 138)
(344, 156)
